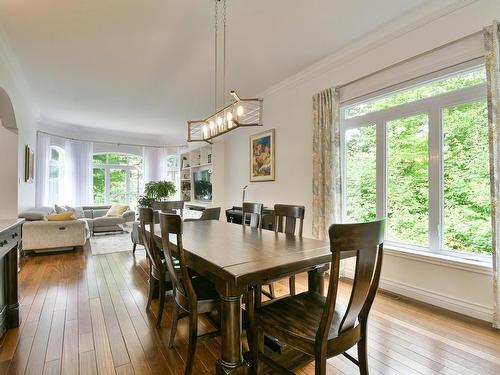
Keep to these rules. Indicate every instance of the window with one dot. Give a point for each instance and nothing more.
(56, 164)
(173, 173)
(419, 158)
(116, 178)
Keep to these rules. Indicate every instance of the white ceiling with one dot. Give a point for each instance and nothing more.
(146, 66)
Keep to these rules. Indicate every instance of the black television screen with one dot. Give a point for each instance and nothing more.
(203, 185)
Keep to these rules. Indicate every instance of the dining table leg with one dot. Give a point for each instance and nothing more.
(316, 279)
(231, 361)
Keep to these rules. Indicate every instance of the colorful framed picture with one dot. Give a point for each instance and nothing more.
(262, 156)
(29, 164)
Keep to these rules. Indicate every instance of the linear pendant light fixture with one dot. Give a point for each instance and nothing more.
(241, 112)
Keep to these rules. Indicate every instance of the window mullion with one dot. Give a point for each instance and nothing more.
(381, 169)
(435, 179)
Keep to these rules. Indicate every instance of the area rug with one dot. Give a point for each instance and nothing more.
(110, 243)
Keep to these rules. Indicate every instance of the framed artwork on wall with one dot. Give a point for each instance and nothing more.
(262, 156)
(29, 164)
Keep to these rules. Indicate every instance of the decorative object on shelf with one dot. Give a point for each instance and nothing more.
(262, 156)
(242, 112)
(156, 191)
(29, 164)
(185, 163)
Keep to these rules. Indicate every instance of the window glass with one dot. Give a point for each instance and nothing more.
(466, 179)
(427, 90)
(54, 154)
(361, 187)
(117, 186)
(99, 186)
(99, 158)
(408, 180)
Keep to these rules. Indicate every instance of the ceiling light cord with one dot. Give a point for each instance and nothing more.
(216, 52)
(224, 54)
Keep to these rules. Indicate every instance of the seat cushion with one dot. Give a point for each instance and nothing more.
(299, 315)
(105, 221)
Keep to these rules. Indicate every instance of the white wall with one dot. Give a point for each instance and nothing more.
(12, 147)
(288, 108)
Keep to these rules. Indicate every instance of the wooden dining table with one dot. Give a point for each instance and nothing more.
(235, 257)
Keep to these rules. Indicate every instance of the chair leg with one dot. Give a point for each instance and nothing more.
(151, 292)
(134, 247)
(193, 337)
(162, 304)
(256, 349)
(173, 328)
(271, 290)
(320, 364)
(291, 283)
(363, 352)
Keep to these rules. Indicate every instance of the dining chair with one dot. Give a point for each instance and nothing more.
(254, 210)
(169, 206)
(192, 295)
(285, 221)
(208, 214)
(318, 325)
(157, 269)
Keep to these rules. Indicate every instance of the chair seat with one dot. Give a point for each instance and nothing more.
(204, 289)
(299, 316)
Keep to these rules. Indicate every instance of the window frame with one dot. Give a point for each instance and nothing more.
(108, 166)
(433, 107)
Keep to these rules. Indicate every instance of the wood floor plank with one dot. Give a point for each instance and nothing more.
(104, 358)
(70, 348)
(88, 363)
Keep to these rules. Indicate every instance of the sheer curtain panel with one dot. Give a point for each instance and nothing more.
(492, 47)
(78, 172)
(42, 169)
(327, 186)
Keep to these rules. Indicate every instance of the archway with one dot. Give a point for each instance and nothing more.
(7, 116)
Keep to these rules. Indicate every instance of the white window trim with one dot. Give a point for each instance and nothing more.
(433, 106)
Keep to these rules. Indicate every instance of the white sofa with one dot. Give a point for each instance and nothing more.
(39, 235)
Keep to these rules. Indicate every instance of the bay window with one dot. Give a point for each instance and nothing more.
(419, 158)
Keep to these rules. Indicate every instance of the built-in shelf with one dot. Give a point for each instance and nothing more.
(193, 160)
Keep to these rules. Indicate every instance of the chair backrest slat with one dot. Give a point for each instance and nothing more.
(254, 210)
(146, 219)
(367, 240)
(210, 214)
(286, 217)
(171, 224)
(169, 206)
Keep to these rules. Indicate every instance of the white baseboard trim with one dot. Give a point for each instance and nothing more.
(455, 304)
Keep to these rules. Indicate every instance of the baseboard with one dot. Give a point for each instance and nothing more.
(454, 304)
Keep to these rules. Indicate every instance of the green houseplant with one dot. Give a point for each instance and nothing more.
(156, 191)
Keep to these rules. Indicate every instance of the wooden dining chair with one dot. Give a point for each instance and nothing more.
(285, 221)
(157, 269)
(169, 206)
(318, 325)
(254, 211)
(192, 295)
(208, 214)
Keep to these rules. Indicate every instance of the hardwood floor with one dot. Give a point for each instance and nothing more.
(84, 314)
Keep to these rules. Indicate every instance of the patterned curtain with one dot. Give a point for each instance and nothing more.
(327, 186)
(492, 46)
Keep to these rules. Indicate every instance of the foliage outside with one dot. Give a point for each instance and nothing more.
(466, 181)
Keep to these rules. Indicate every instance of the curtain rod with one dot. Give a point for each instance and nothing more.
(110, 143)
(404, 61)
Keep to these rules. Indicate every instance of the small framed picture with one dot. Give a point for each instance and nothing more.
(29, 164)
(262, 156)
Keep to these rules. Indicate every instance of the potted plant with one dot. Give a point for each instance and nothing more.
(156, 191)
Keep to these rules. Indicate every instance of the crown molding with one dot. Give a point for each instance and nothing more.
(412, 20)
(8, 57)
